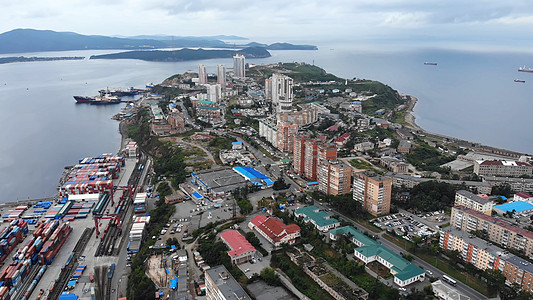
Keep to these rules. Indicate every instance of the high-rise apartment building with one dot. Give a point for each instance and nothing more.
(334, 177)
(282, 92)
(221, 75)
(285, 136)
(202, 74)
(310, 158)
(239, 64)
(373, 192)
(298, 157)
(326, 152)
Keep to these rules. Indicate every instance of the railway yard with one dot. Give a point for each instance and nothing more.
(54, 247)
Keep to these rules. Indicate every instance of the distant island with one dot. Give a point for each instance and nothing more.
(185, 54)
(31, 40)
(6, 60)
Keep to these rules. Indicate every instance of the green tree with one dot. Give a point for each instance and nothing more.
(270, 277)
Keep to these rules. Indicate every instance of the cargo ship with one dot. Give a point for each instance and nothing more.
(519, 80)
(524, 69)
(104, 100)
(83, 99)
(121, 93)
(430, 63)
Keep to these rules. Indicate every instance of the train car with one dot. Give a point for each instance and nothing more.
(111, 271)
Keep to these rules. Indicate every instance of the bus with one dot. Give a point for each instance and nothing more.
(449, 280)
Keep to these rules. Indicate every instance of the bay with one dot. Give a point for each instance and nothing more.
(470, 95)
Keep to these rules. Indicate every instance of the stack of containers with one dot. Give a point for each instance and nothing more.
(137, 233)
(53, 211)
(139, 204)
(78, 272)
(93, 175)
(12, 236)
(54, 243)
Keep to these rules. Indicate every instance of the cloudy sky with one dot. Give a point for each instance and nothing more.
(407, 21)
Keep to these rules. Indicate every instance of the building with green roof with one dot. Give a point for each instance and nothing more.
(404, 272)
(369, 250)
(358, 238)
(321, 219)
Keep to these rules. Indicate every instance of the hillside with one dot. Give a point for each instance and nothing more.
(185, 54)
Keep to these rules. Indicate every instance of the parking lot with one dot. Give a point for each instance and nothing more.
(408, 225)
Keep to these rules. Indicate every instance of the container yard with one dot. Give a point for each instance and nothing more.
(139, 205)
(46, 248)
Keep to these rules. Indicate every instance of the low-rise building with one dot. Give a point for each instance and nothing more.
(220, 285)
(404, 147)
(274, 230)
(473, 201)
(522, 196)
(517, 184)
(241, 250)
(321, 219)
(446, 292)
(394, 164)
(410, 181)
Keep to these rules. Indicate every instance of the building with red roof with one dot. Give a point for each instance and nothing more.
(275, 231)
(523, 196)
(240, 249)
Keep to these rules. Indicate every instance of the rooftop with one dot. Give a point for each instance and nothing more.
(320, 218)
(517, 206)
(273, 227)
(403, 267)
(227, 285)
(450, 292)
(524, 195)
(475, 241)
(473, 197)
(356, 234)
(236, 242)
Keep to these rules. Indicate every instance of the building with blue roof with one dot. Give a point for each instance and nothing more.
(321, 219)
(520, 207)
(254, 176)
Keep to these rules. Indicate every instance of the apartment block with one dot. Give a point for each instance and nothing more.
(499, 231)
(285, 136)
(473, 201)
(373, 192)
(310, 158)
(239, 66)
(334, 177)
(298, 157)
(220, 285)
(282, 92)
(502, 168)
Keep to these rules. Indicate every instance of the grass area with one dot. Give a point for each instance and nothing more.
(194, 151)
(330, 279)
(442, 265)
(361, 164)
(369, 226)
(399, 117)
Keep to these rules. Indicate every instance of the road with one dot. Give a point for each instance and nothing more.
(461, 287)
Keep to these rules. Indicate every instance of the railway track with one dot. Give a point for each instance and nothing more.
(71, 264)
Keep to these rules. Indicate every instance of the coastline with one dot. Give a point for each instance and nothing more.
(410, 119)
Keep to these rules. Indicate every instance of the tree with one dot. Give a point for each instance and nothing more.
(270, 277)
(280, 184)
(495, 280)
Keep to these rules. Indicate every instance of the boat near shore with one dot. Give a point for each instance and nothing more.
(98, 100)
(83, 99)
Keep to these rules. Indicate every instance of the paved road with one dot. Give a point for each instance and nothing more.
(461, 287)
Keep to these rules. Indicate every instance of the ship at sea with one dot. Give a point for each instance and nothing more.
(83, 99)
(122, 93)
(430, 63)
(524, 69)
(519, 80)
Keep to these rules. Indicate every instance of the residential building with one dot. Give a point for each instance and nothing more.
(482, 254)
(520, 271)
(334, 177)
(343, 139)
(307, 115)
(373, 192)
(404, 134)
(497, 230)
(285, 136)
(239, 66)
(202, 74)
(326, 152)
(274, 230)
(517, 184)
(368, 250)
(310, 158)
(269, 131)
(298, 153)
(177, 121)
(409, 181)
(473, 201)
(502, 168)
(321, 219)
(394, 164)
(282, 92)
(220, 285)
(221, 75)
(404, 147)
(522, 196)
(241, 250)
(268, 89)
(363, 146)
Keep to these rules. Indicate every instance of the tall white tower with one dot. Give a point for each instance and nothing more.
(202, 74)
(239, 64)
(282, 92)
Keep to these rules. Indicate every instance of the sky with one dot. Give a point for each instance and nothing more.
(491, 22)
